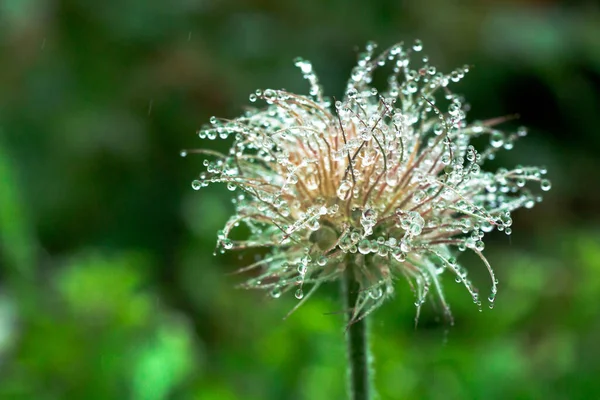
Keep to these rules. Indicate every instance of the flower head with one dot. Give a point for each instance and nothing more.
(386, 183)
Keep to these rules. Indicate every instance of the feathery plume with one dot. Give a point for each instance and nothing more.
(387, 180)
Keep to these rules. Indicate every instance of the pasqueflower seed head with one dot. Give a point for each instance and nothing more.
(385, 183)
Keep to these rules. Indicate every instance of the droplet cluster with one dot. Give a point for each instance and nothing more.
(386, 182)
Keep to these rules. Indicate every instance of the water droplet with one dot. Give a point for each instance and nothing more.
(299, 294)
(351, 92)
(497, 139)
(269, 95)
(304, 65)
(276, 293)
(357, 74)
(398, 254)
(301, 269)
(196, 184)
(545, 184)
(312, 181)
(227, 244)
(376, 293)
(392, 178)
(343, 191)
(252, 97)
(418, 45)
(183, 153)
(314, 225)
(364, 247)
(411, 87)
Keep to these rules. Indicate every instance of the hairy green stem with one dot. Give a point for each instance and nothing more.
(356, 340)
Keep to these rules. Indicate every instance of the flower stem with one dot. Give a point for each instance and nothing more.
(356, 340)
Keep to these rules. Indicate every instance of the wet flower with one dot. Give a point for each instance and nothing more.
(385, 183)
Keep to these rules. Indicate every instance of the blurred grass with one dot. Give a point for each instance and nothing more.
(108, 287)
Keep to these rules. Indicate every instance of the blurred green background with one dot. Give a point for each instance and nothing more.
(108, 286)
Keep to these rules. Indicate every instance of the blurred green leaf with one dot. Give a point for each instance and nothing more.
(162, 362)
(99, 287)
(16, 238)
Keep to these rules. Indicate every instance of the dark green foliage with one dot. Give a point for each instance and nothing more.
(108, 288)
